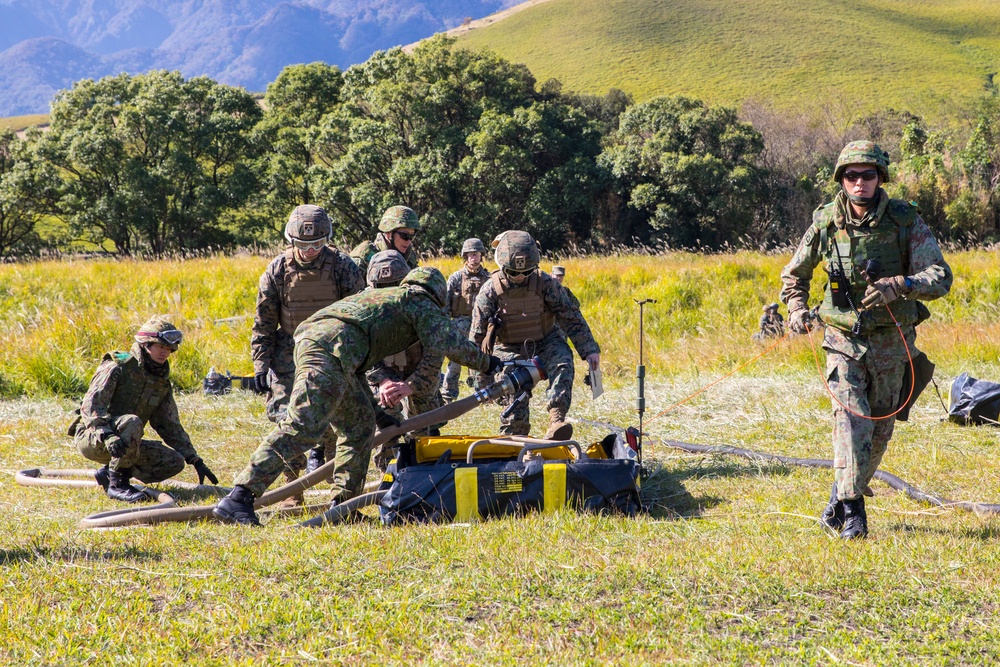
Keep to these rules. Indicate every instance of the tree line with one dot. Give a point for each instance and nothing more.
(156, 164)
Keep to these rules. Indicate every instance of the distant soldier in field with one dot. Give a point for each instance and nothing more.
(559, 274)
(128, 391)
(772, 324)
(308, 276)
(406, 383)
(882, 261)
(516, 316)
(333, 350)
(397, 229)
(463, 288)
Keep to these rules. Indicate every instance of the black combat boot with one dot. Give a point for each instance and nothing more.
(855, 520)
(833, 514)
(316, 458)
(119, 487)
(102, 477)
(237, 508)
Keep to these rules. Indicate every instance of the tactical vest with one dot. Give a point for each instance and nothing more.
(405, 362)
(888, 243)
(137, 393)
(307, 290)
(463, 302)
(522, 310)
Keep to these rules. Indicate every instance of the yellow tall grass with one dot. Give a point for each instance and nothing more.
(57, 318)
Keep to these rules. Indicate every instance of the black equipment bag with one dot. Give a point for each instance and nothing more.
(449, 491)
(974, 401)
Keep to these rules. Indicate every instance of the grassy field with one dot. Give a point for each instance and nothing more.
(931, 57)
(18, 123)
(729, 567)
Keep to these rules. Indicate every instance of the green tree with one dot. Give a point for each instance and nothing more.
(461, 137)
(152, 162)
(294, 107)
(691, 169)
(27, 193)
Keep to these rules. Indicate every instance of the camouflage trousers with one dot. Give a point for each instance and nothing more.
(149, 460)
(326, 392)
(454, 372)
(282, 377)
(870, 387)
(557, 360)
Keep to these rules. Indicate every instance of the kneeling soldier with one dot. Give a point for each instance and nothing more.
(129, 390)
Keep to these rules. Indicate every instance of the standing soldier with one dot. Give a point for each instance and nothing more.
(308, 276)
(128, 391)
(405, 383)
(397, 229)
(882, 261)
(516, 317)
(463, 288)
(558, 275)
(333, 349)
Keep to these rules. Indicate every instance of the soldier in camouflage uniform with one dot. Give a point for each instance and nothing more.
(521, 312)
(463, 288)
(771, 325)
(309, 275)
(129, 390)
(406, 383)
(866, 356)
(397, 229)
(333, 350)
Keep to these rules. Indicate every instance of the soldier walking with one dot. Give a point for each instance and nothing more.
(308, 276)
(463, 288)
(516, 317)
(861, 233)
(333, 350)
(128, 391)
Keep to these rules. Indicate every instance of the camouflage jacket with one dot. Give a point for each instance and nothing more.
(455, 285)
(929, 273)
(558, 300)
(387, 321)
(156, 403)
(267, 336)
(363, 253)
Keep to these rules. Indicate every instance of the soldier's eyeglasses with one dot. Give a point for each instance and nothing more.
(866, 175)
(512, 272)
(169, 337)
(405, 235)
(309, 245)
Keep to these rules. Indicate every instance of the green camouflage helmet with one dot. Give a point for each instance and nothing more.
(398, 217)
(431, 280)
(158, 330)
(473, 245)
(517, 252)
(387, 268)
(862, 152)
(308, 223)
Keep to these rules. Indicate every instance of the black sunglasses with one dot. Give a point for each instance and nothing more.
(867, 175)
(405, 236)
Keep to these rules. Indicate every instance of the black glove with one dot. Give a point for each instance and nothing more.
(261, 383)
(496, 363)
(115, 446)
(384, 420)
(203, 472)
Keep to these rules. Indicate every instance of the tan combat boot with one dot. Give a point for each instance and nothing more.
(559, 429)
(292, 502)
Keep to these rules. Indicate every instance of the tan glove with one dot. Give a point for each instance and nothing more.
(800, 321)
(884, 291)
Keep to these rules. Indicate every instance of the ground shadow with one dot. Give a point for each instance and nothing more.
(32, 554)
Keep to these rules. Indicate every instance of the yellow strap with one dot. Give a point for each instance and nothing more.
(554, 475)
(467, 494)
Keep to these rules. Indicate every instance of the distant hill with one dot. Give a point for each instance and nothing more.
(46, 45)
(928, 56)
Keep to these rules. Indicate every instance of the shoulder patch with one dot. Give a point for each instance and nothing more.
(119, 357)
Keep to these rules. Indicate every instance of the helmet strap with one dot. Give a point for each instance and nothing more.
(866, 202)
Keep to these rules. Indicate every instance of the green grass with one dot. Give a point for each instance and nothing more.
(728, 568)
(18, 123)
(928, 56)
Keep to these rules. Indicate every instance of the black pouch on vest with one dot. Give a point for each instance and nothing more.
(838, 288)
